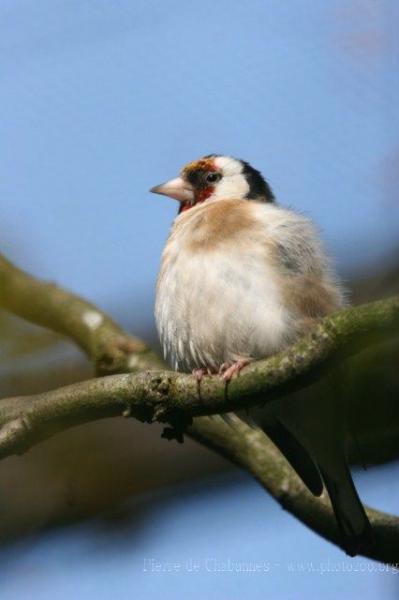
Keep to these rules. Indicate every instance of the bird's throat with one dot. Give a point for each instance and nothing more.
(200, 197)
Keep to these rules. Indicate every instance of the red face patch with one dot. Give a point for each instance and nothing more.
(205, 193)
(195, 172)
(200, 196)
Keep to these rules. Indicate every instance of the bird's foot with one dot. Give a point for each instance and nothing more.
(199, 374)
(227, 371)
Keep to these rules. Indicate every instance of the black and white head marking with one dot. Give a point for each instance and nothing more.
(240, 179)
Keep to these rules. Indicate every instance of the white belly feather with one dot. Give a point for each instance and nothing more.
(215, 308)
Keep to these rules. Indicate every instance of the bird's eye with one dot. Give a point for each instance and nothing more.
(212, 177)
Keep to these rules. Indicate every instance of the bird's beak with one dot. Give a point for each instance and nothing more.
(178, 188)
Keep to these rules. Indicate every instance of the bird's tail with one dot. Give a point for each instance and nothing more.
(353, 523)
(299, 459)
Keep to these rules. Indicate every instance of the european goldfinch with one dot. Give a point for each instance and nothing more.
(242, 278)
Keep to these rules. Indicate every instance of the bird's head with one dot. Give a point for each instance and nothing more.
(216, 177)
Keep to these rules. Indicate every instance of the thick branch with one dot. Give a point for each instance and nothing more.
(166, 395)
(25, 421)
(44, 303)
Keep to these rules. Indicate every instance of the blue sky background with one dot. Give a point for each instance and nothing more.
(225, 521)
(101, 100)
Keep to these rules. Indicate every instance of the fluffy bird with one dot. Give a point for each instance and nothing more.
(242, 278)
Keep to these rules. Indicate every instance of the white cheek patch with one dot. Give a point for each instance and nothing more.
(228, 165)
(234, 186)
(233, 183)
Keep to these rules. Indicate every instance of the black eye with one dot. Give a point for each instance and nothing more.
(212, 177)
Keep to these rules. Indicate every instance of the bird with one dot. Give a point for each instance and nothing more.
(240, 279)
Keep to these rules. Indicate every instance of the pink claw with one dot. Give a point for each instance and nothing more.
(200, 373)
(228, 372)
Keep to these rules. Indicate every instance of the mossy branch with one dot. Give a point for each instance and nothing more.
(137, 390)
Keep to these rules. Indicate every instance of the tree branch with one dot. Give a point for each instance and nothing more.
(44, 303)
(148, 396)
(167, 395)
(249, 449)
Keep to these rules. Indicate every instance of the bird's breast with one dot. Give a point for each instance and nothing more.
(217, 304)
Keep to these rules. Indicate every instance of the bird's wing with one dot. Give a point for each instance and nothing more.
(309, 286)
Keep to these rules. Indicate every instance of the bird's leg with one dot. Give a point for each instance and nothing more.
(198, 374)
(227, 371)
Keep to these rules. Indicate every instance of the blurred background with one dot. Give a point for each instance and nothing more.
(100, 101)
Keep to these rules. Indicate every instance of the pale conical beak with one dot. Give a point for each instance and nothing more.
(175, 188)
